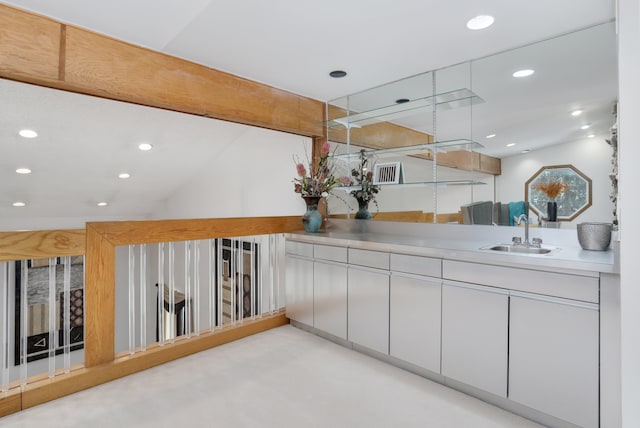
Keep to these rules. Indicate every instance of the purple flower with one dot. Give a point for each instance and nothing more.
(301, 170)
(345, 181)
(325, 148)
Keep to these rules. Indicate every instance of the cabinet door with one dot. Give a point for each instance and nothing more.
(368, 308)
(330, 298)
(553, 358)
(474, 336)
(299, 291)
(414, 320)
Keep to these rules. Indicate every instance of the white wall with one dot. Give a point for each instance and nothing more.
(590, 156)
(629, 136)
(251, 177)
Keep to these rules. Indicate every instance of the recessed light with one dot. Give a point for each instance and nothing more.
(511, 144)
(402, 100)
(338, 74)
(102, 204)
(145, 147)
(490, 136)
(18, 204)
(576, 113)
(124, 175)
(591, 135)
(480, 22)
(585, 126)
(28, 133)
(525, 151)
(523, 73)
(23, 171)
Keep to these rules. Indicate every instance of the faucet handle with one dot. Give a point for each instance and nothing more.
(516, 240)
(536, 241)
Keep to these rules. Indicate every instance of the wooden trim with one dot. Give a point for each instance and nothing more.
(41, 244)
(10, 402)
(148, 232)
(78, 380)
(63, 53)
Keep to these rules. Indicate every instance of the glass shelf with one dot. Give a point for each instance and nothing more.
(419, 184)
(440, 147)
(445, 101)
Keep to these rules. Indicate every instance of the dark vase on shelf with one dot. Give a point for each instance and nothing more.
(312, 219)
(363, 210)
(552, 211)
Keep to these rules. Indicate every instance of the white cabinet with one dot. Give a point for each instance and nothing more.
(553, 357)
(368, 308)
(414, 320)
(330, 297)
(299, 294)
(474, 336)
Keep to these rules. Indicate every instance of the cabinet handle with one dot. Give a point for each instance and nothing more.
(416, 276)
(556, 300)
(483, 288)
(370, 269)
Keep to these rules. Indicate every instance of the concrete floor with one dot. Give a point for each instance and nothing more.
(281, 378)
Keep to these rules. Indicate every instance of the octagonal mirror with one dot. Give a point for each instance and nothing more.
(565, 184)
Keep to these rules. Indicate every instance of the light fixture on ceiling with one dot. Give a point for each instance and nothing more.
(23, 171)
(28, 133)
(511, 144)
(337, 74)
(145, 147)
(19, 204)
(402, 100)
(576, 113)
(525, 151)
(524, 73)
(587, 126)
(480, 22)
(124, 175)
(591, 135)
(490, 136)
(102, 204)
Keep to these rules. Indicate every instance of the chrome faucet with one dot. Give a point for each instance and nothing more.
(517, 240)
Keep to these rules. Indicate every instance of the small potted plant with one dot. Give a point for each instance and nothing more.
(552, 189)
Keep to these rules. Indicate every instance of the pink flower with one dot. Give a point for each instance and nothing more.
(345, 181)
(325, 148)
(301, 170)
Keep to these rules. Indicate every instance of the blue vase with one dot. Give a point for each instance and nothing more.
(312, 219)
(363, 210)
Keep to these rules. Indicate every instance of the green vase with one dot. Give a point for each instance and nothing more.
(363, 210)
(312, 219)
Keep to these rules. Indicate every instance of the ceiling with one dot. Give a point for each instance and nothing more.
(293, 44)
(284, 43)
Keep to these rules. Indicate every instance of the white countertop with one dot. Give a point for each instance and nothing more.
(566, 257)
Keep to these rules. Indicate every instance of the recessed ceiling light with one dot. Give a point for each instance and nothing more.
(402, 100)
(23, 171)
(511, 144)
(585, 126)
(19, 204)
(338, 74)
(525, 151)
(490, 136)
(102, 204)
(28, 133)
(480, 22)
(124, 175)
(576, 113)
(591, 135)
(523, 73)
(145, 147)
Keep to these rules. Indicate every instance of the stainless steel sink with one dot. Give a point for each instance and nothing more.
(518, 249)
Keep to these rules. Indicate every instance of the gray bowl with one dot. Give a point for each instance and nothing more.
(594, 236)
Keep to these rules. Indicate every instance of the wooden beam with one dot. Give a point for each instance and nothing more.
(41, 244)
(39, 50)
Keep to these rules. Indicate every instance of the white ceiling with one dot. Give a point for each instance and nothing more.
(285, 43)
(293, 44)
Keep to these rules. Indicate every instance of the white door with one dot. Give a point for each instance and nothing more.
(299, 286)
(330, 298)
(368, 308)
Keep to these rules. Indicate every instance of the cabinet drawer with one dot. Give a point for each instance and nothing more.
(328, 252)
(299, 248)
(374, 259)
(574, 287)
(416, 265)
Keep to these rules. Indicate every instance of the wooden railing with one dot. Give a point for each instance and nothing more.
(98, 243)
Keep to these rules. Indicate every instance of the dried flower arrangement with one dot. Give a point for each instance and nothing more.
(363, 177)
(552, 188)
(320, 180)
